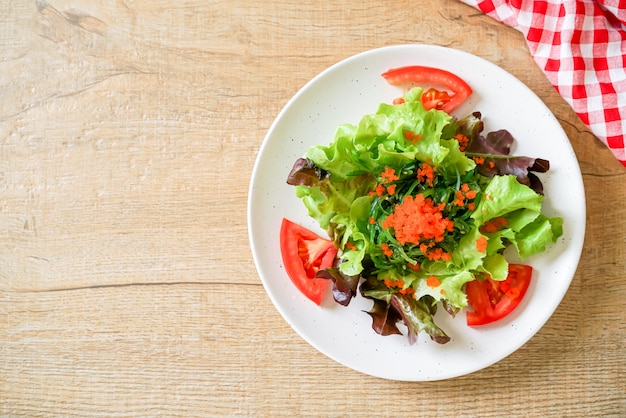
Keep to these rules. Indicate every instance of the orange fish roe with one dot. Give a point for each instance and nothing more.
(389, 175)
(432, 281)
(465, 193)
(412, 136)
(481, 244)
(417, 219)
(463, 141)
(494, 225)
(414, 267)
(380, 190)
(426, 174)
(350, 246)
(479, 160)
(393, 283)
(460, 199)
(372, 221)
(438, 254)
(391, 189)
(386, 250)
(399, 284)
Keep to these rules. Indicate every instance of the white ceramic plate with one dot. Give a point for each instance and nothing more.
(343, 94)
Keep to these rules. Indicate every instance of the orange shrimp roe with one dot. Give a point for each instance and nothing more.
(399, 284)
(481, 244)
(414, 267)
(432, 281)
(407, 291)
(465, 193)
(463, 141)
(386, 250)
(389, 175)
(417, 219)
(438, 254)
(426, 174)
(393, 283)
(494, 225)
(412, 136)
(380, 190)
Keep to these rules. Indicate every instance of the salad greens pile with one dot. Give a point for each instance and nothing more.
(419, 204)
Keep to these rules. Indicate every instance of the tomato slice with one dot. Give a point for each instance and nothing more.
(304, 253)
(430, 75)
(435, 99)
(493, 300)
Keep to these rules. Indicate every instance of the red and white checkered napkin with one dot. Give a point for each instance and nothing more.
(581, 47)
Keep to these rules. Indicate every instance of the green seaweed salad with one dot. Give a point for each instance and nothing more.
(418, 204)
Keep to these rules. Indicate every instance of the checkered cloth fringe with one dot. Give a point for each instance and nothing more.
(581, 47)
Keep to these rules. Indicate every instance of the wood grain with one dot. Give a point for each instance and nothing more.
(128, 132)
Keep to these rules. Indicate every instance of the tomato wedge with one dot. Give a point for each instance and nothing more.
(304, 253)
(493, 300)
(435, 99)
(430, 75)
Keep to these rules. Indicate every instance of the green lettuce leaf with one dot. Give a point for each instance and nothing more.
(527, 229)
(379, 141)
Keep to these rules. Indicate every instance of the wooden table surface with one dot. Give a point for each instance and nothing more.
(128, 133)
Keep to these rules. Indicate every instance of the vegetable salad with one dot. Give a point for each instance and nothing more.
(418, 204)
